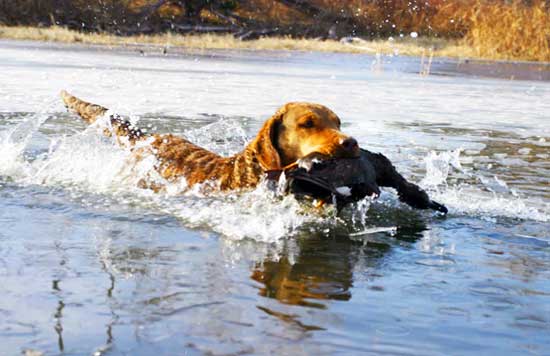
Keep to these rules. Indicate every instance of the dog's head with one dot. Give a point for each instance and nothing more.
(298, 130)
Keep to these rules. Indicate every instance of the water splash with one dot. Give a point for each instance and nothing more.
(259, 214)
(359, 212)
(438, 166)
(468, 201)
(225, 136)
(13, 143)
(92, 163)
(494, 198)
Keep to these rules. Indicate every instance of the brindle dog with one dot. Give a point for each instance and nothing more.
(295, 131)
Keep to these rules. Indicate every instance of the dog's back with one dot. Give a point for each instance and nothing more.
(176, 156)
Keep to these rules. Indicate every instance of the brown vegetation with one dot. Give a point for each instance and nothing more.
(410, 47)
(498, 29)
(514, 31)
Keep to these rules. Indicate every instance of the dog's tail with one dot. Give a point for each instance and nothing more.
(91, 112)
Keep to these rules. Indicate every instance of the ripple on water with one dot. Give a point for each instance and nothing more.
(136, 270)
(503, 303)
(436, 261)
(453, 311)
(490, 289)
(424, 289)
(532, 321)
(393, 330)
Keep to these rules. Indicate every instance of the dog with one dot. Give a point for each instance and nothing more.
(296, 130)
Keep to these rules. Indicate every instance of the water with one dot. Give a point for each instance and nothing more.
(90, 264)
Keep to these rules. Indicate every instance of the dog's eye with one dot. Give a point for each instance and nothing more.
(308, 124)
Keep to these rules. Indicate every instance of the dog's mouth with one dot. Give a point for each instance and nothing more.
(338, 181)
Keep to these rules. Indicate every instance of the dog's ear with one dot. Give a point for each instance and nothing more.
(264, 146)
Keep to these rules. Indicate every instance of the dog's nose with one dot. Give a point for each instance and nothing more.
(350, 144)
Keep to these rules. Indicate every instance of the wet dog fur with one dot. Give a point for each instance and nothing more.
(295, 131)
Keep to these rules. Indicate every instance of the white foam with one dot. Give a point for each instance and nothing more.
(499, 201)
(346, 191)
(473, 202)
(375, 230)
(97, 164)
(259, 214)
(438, 166)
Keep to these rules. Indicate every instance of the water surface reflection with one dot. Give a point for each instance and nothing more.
(321, 267)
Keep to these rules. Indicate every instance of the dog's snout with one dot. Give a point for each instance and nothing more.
(350, 144)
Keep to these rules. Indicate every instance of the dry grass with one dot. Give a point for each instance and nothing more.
(513, 31)
(409, 47)
(489, 29)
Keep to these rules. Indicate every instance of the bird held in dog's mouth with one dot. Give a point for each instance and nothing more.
(346, 180)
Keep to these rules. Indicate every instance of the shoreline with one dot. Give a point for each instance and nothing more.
(479, 68)
(416, 47)
(409, 47)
